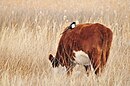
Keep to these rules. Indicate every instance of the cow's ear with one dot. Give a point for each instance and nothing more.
(51, 58)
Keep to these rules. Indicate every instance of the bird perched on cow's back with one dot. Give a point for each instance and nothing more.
(71, 26)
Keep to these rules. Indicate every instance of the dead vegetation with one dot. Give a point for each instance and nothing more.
(30, 30)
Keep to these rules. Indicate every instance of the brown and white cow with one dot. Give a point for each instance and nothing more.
(83, 44)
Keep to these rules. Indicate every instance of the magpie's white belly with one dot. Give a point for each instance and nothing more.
(81, 58)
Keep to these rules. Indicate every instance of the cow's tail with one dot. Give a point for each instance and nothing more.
(107, 39)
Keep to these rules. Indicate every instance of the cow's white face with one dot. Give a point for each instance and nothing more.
(81, 58)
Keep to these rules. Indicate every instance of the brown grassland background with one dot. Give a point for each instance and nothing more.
(30, 31)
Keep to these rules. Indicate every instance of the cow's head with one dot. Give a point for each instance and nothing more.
(54, 61)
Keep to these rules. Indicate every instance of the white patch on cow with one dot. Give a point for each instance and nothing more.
(81, 58)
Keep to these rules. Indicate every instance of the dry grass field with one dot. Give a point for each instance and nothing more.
(30, 31)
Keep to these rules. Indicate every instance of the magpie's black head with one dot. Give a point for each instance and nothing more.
(72, 25)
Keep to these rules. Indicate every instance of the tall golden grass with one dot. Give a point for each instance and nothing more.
(30, 30)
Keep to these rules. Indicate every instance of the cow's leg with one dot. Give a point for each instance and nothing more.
(70, 69)
(96, 60)
(87, 68)
(96, 66)
(105, 56)
(107, 53)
